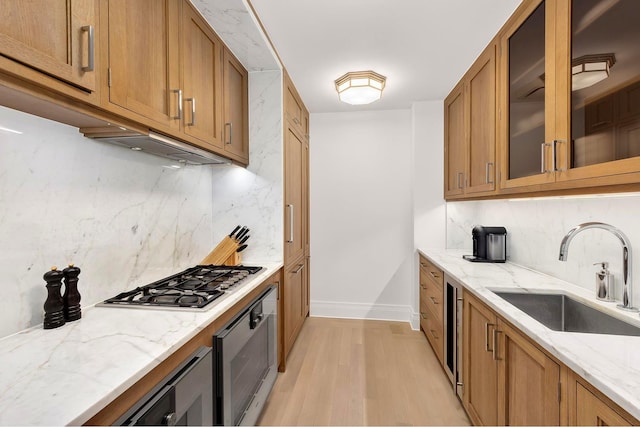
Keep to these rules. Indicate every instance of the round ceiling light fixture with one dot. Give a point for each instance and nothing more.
(360, 87)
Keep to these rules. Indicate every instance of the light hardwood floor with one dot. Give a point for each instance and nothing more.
(362, 372)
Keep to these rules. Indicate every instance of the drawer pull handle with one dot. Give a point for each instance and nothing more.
(433, 332)
(423, 286)
(433, 300)
(423, 315)
(434, 275)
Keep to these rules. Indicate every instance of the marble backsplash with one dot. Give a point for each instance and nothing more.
(123, 217)
(253, 196)
(536, 226)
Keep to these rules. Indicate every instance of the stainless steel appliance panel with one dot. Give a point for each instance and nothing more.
(184, 397)
(246, 362)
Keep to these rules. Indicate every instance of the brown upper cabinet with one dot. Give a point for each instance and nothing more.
(201, 67)
(567, 113)
(470, 147)
(570, 68)
(236, 99)
(143, 60)
(56, 38)
(170, 71)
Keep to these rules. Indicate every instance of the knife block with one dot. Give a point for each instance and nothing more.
(234, 259)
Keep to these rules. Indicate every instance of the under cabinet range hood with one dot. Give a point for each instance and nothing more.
(154, 143)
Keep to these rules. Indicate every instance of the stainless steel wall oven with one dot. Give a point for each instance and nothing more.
(183, 398)
(245, 362)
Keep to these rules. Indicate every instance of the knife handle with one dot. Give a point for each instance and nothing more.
(241, 248)
(234, 231)
(242, 233)
(244, 239)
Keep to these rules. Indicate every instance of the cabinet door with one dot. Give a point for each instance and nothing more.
(294, 196)
(53, 36)
(236, 108)
(202, 76)
(293, 107)
(480, 392)
(529, 381)
(454, 142)
(599, 104)
(294, 304)
(528, 69)
(481, 100)
(591, 411)
(143, 58)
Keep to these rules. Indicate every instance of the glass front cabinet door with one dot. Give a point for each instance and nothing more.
(569, 107)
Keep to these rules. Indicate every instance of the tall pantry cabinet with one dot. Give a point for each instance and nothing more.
(296, 215)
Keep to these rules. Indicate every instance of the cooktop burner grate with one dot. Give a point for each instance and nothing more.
(195, 287)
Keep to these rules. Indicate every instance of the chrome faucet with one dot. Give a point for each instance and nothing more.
(627, 299)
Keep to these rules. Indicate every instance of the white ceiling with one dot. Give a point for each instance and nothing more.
(423, 47)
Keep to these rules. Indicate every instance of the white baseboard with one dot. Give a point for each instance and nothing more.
(402, 313)
(415, 321)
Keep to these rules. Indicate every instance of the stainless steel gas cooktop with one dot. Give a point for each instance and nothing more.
(194, 288)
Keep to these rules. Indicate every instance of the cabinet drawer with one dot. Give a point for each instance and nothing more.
(433, 330)
(431, 299)
(431, 271)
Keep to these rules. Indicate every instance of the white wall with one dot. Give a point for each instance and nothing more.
(361, 214)
(429, 207)
(536, 226)
(428, 159)
(119, 215)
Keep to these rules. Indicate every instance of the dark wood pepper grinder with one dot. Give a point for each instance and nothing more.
(71, 297)
(53, 306)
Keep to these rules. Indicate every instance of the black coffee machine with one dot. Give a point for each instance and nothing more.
(489, 244)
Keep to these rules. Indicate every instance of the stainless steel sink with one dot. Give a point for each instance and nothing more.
(562, 313)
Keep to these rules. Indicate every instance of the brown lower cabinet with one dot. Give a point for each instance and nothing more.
(590, 410)
(510, 380)
(295, 301)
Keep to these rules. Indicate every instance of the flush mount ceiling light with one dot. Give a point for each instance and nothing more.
(360, 87)
(590, 69)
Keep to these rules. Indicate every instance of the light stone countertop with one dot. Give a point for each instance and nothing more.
(67, 375)
(609, 362)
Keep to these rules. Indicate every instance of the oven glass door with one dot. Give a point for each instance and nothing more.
(247, 352)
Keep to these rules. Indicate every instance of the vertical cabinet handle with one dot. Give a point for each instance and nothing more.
(543, 158)
(230, 133)
(460, 175)
(488, 174)
(495, 344)
(179, 92)
(486, 336)
(193, 111)
(290, 224)
(555, 157)
(299, 269)
(90, 48)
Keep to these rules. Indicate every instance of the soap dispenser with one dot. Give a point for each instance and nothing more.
(604, 283)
